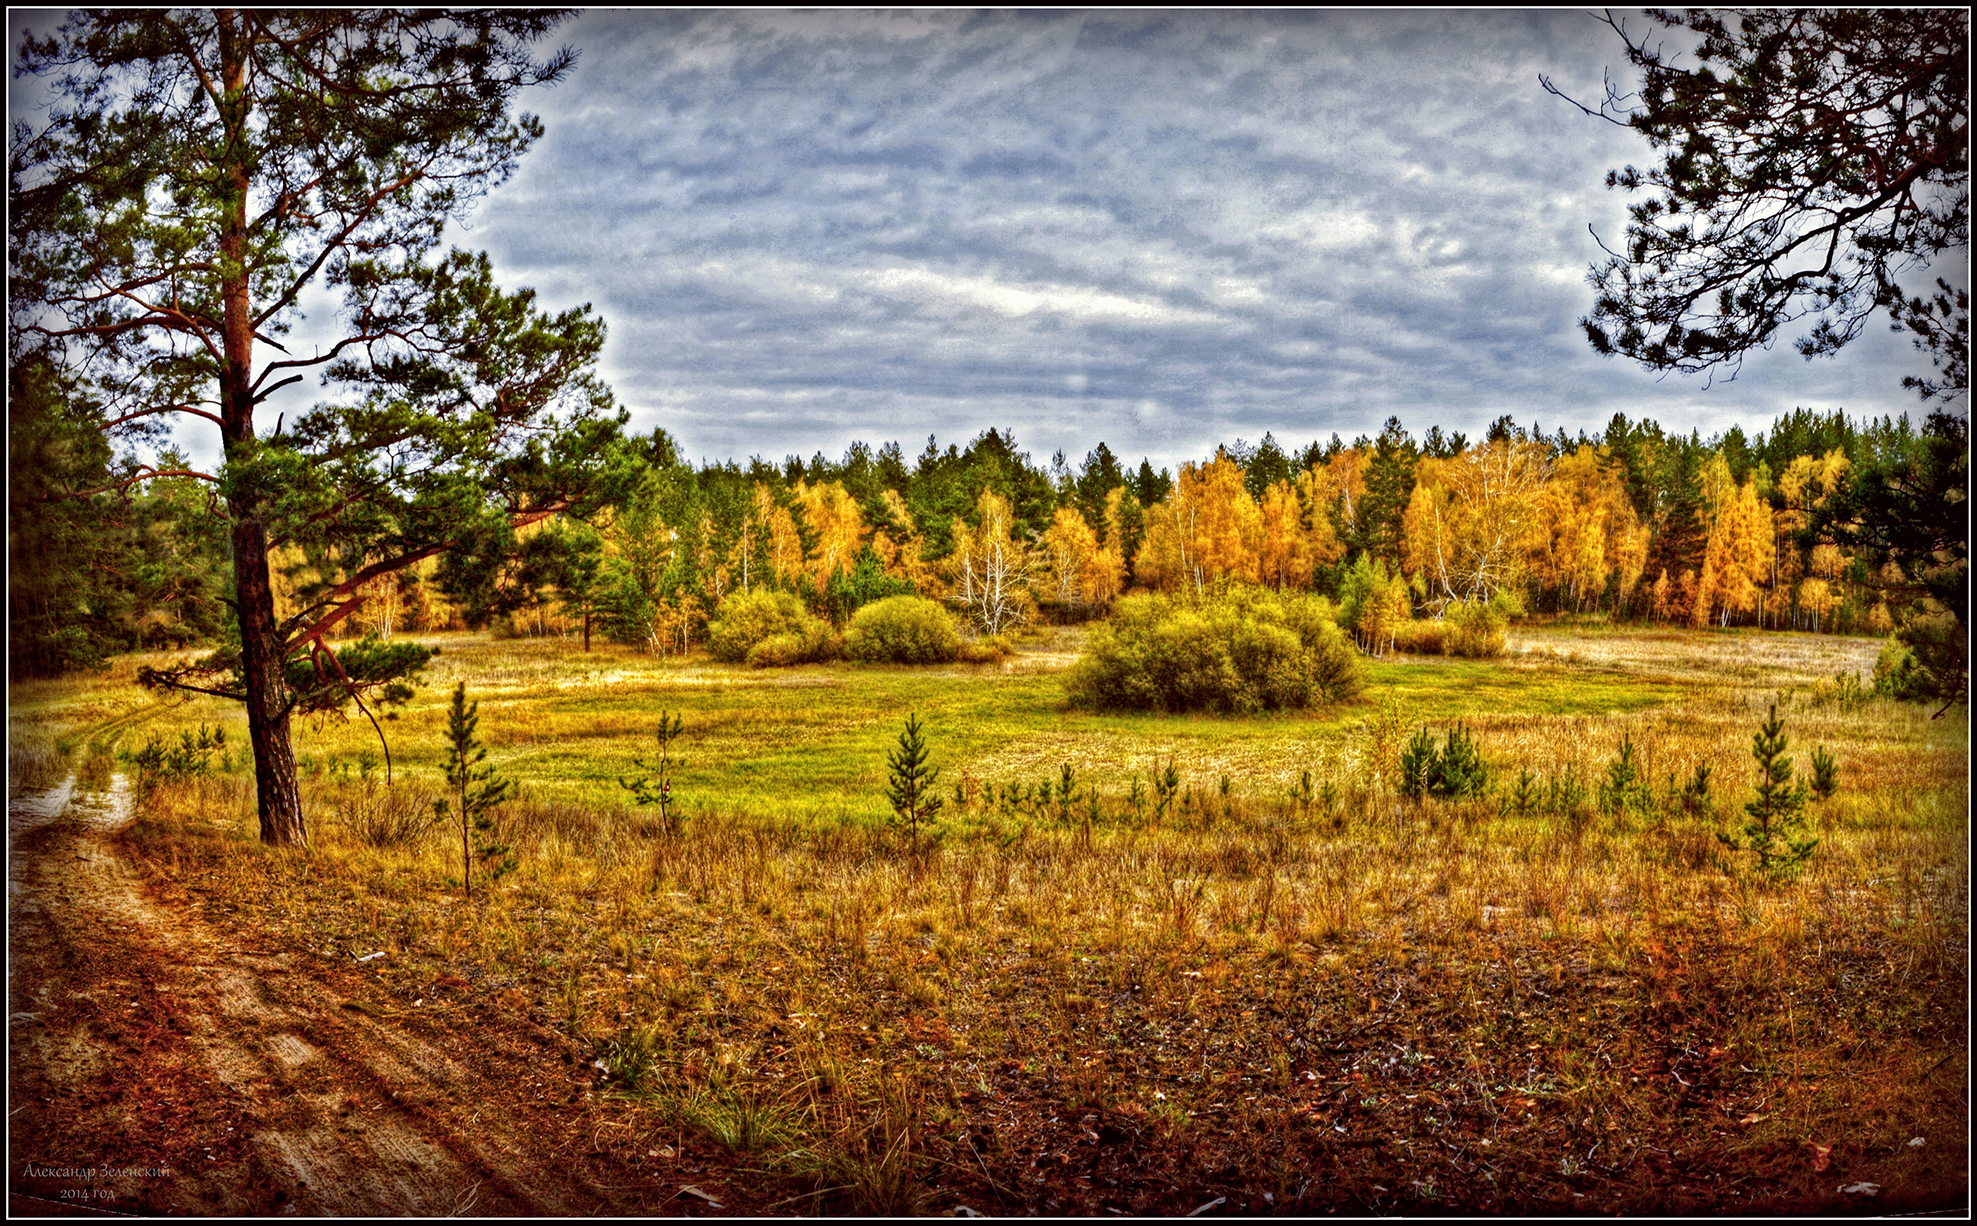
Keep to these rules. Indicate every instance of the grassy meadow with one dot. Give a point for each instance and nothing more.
(1235, 963)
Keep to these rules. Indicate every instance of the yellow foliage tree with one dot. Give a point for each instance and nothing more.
(990, 568)
(785, 543)
(1207, 528)
(902, 557)
(1737, 558)
(1070, 551)
(1474, 518)
(836, 524)
(1590, 528)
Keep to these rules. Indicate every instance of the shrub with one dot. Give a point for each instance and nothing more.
(1422, 638)
(903, 630)
(1897, 673)
(986, 650)
(1454, 772)
(748, 619)
(1477, 629)
(1249, 650)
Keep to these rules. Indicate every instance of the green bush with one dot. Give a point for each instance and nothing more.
(1896, 673)
(748, 619)
(1249, 650)
(1477, 629)
(903, 630)
(1455, 772)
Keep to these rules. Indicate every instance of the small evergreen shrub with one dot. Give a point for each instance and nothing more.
(1777, 814)
(1456, 771)
(1625, 787)
(747, 619)
(1825, 774)
(1248, 650)
(903, 630)
(160, 761)
(910, 784)
(473, 793)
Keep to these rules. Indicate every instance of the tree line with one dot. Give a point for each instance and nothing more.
(1633, 523)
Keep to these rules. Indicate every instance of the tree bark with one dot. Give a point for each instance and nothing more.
(276, 782)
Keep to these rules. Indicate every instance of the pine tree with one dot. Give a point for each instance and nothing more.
(200, 172)
(473, 792)
(1778, 811)
(911, 787)
(657, 788)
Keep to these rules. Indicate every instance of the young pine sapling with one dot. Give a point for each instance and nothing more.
(648, 790)
(1779, 808)
(1825, 774)
(911, 786)
(473, 792)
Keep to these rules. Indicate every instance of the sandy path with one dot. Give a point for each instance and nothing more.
(157, 1065)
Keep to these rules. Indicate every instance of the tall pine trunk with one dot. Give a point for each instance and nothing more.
(276, 783)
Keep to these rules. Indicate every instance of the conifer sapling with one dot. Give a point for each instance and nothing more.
(473, 793)
(645, 789)
(911, 786)
(1779, 808)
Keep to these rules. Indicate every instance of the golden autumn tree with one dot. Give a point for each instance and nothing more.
(1070, 554)
(836, 524)
(1591, 531)
(1804, 486)
(1168, 559)
(1208, 528)
(1473, 519)
(990, 568)
(900, 548)
(1737, 559)
(1229, 529)
(1123, 519)
(782, 543)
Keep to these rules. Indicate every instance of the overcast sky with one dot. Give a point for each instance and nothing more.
(1161, 230)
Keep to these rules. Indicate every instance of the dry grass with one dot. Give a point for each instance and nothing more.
(1336, 999)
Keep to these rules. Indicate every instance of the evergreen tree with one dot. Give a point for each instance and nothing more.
(1778, 811)
(910, 786)
(204, 169)
(473, 792)
(1380, 526)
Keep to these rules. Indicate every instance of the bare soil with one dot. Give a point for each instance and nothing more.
(161, 1067)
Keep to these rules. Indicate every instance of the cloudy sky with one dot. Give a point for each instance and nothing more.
(1161, 230)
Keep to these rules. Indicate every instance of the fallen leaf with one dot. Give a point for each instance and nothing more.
(1863, 1189)
(1822, 1155)
(1753, 1118)
(690, 1190)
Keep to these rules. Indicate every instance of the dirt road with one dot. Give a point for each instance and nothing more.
(160, 1066)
